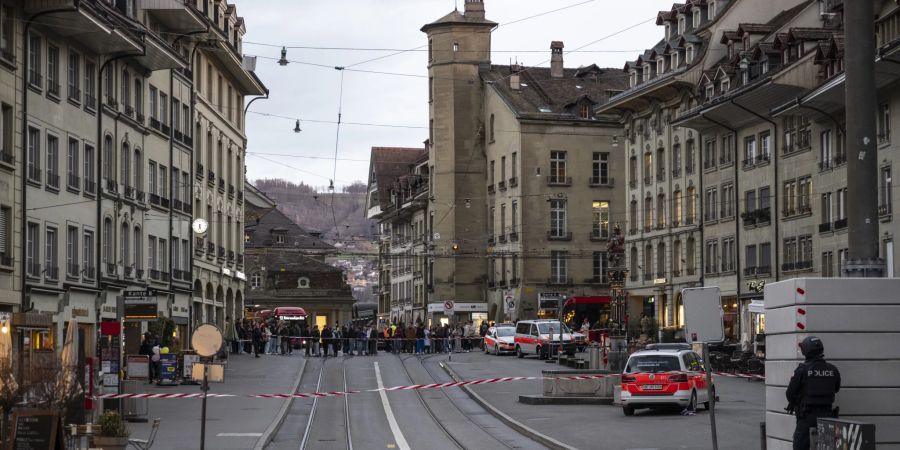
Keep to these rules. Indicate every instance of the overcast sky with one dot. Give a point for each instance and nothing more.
(312, 93)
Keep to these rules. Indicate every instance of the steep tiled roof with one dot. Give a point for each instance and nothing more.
(262, 224)
(457, 17)
(390, 163)
(810, 34)
(542, 96)
(755, 28)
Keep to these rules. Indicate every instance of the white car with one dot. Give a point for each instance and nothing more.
(500, 339)
(542, 338)
(665, 375)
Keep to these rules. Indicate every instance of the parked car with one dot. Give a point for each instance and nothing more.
(542, 338)
(664, 376)
(500, 339)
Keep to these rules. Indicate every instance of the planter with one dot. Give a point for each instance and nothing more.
(110, 442)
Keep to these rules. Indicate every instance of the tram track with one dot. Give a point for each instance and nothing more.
(310, 430)
(455, 405)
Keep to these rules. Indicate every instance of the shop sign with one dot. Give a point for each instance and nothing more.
(756, 286)
(470, 307)
(660, 281)
(109, 309)
(168, 366)
(549, 300)
(226, 271)
(240, 275)
(80, 312)
(35, 429)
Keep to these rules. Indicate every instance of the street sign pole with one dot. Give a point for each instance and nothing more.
(710, 396)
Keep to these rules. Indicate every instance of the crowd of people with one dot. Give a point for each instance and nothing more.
(281, 337)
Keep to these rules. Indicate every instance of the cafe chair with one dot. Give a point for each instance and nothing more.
(145, 444)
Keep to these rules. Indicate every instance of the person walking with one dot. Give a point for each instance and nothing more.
(810, 393)
(230, 335)
(257, 338)
(326, 340)
(314, 337)
(482, 331)
(420, 339)
(426, 344)
(304, 339)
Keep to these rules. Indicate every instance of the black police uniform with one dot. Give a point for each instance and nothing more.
(811, 390)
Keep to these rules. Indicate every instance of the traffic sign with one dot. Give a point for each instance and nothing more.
(703, 314)
(448, 307)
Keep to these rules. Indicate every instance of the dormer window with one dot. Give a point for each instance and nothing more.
(246, 237)
(660, 66)
(634, 78)
(668, 31)
(746, 43)
(710, 91)
(799, 49)
(696, 17)
(585, 111)
(681, 24)
(765, 65)
(689, 54)
(675, 61)
(711, 10)
(303, 283)
(725, 85)
(279, 238)
(646, 72)
(730, 49)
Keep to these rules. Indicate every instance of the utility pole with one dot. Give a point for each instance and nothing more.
(862, 161)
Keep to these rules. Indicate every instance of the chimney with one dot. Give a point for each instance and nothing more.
(514, 79)
(556, 59)
(475, 9)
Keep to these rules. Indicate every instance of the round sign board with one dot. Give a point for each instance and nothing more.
(199, 225)
(448, 305)
(207, 340)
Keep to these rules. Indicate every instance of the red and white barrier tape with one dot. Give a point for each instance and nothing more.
(412, 387)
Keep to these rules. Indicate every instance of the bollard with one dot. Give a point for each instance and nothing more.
(594, 357)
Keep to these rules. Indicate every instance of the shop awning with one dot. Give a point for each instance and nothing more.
(594, 300)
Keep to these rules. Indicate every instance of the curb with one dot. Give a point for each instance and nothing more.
(282, 413)
(508, 420)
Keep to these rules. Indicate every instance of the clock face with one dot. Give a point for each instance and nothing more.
(199, 226)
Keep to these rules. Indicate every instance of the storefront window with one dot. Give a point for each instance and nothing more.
(42, 340)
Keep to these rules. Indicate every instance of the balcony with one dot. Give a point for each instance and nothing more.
(163, 276)
(825, 165)
(502, 239)
(139, 274)
(648, 276)
(179, 16)
(840, 224)
(840, 159)
(178, 135)
(165, 129)
(240, 259)
(139, 117)
(33, 270)
(53, 179)
(240, 196)
(188, 140)
(6, 260)
(111, 186)
(221, 185)
(689, 170)
(51, 273)
(154, 275)
(154, 123)
(676, 172)
(140, 196)
(691, 271)
(177, 204)
(128, 271)
(559, 236)
(53, 89)
(750, 271)
(164, 202)
(155, 199)
(513, 182)
(230, 191)
(186, 207)
(824, 227)
(648, 181)
(199, 171)
(89, 272)
(129, 192)
(90, 186)
(491, 189)
(35, 79)
(559, 281)
(129, 111)
(231, 255)
(596, 280)
(501, 185)
(221, 252)
(764, 270)
(601, 181)
(884, 211)
(661, 176)
(491, 241)
(514, 237)
(73, 181)
(74, 94)
(112, 103)
(633, 277)
(559, 181)
(111, 269)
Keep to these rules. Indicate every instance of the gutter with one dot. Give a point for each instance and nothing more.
(26, 304)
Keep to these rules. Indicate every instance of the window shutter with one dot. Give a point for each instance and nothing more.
(4, 220)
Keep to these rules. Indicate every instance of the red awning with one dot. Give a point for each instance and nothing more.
(598, 300)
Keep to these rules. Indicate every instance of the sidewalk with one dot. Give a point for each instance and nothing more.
(231, 423)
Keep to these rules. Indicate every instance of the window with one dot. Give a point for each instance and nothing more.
(885, 186)
(600, 263)
(827, 212)
(90, 90)
(51, 268)
(765, 148)
(109, 163)
(676, 160)
(124, 166)
(711, 10)
(660, 164)
(690, 205)
(825, 153)
(151, 177)
(750, 201)
(765, 198)
(750, 259)
(52, 161)
(503, 169)
(255, 280)
(74, 79)
(648, 167)
(513, 169)
(709, 154)
(681, 24)
(557, 218)
(5, 236)
(53, 70)
(163, 258)
(502, 219)
(557, 167)
(89, 183)
(32, 250)
(34, 154)
(765, 258)
(884, 123)
(661, 211)
(727, 200)
(514, 216)
(728, 255)
(661, 260)
(87, 254)
(124, 246)
(689, 53)
(632, 170)
(678, 212)
(126, 88)
(138, 171)
(6, 129)
(72, 165)
(600, 168)
(491, 218)
(151, 256)
(138, 251)
(139, 97)
(176, 115)
(279, 238)
(790, 198)
(827, 264)
(804, 194)
(712, 256)
(34, 61)
(841, 209)
(7, 22)
(108, 247)
(711, 204)
(163, 182)
(559, 266)
(648, 213)
(689, 158)
(677, 261)
(600, 222)
(163, 108)
(584, 111)
(750, 151)
(727, 156)
(153, 103)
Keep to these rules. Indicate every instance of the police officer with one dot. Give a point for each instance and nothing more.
(811, 390)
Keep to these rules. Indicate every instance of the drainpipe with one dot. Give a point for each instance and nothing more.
(26, 304)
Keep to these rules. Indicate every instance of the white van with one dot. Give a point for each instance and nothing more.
(541, 338)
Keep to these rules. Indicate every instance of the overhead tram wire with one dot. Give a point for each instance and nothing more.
(337, 139)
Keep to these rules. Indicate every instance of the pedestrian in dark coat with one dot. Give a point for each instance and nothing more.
(326, 340)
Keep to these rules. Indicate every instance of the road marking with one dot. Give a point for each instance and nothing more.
(239, 435)
(392, 421)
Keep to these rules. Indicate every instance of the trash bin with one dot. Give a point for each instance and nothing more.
(594, 357)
